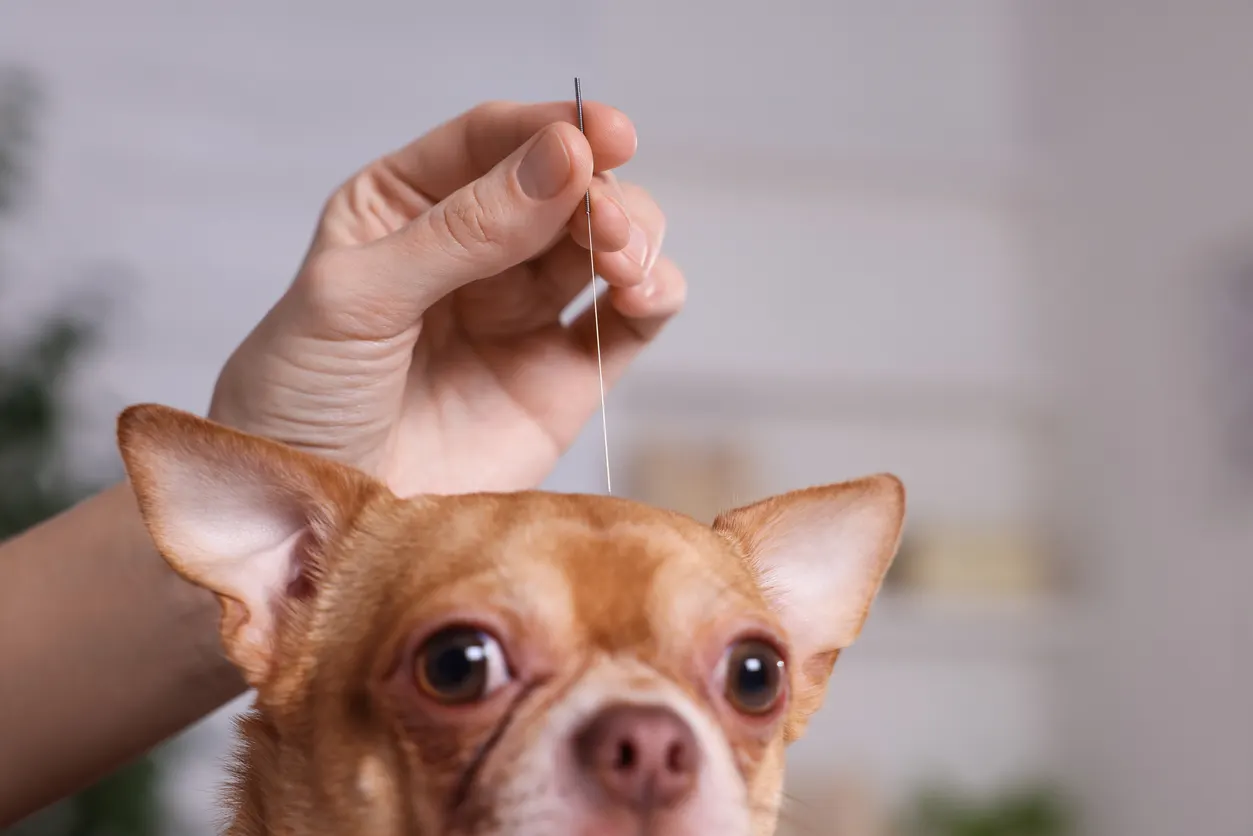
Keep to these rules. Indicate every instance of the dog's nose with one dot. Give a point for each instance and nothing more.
(644, 757)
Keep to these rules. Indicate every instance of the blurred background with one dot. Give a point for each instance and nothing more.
(1003, 248)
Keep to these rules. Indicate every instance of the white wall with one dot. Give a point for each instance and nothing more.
(1149, 132)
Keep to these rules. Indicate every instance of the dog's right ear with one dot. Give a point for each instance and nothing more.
(246, 518)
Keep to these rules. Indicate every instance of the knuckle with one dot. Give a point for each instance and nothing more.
(468, 222)
(463, 227)
(324, 286)
(321, 279)
(328, 298)
(489, 112)
(481, 122)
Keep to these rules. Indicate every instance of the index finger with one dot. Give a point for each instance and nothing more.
(468, 146)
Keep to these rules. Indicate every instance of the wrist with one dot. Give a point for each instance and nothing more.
(190, 612)
(106, 651)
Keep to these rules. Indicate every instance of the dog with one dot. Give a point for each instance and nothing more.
(506, 664)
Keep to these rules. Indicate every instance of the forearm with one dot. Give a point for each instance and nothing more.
(104, 652)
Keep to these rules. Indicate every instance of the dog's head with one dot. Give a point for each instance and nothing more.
(509, 664)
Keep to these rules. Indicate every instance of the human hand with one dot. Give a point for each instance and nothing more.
(420, 340)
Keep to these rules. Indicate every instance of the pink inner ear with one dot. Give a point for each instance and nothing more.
(822, 560)
(821, 583)
(236, 533)
(245, 518)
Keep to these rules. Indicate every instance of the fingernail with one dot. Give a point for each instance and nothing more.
(652, 259)
(648, 289)
(637, 246)
(545, 169)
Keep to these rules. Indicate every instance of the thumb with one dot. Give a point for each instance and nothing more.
(509, 215)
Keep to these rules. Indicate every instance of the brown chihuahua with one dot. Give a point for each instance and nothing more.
(524, 664)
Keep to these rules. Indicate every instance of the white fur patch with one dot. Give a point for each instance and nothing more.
(543, 794)
(381, 807)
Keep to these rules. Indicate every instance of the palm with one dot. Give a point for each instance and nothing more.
(433, 356)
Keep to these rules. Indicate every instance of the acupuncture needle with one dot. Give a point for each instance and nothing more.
(591, 253)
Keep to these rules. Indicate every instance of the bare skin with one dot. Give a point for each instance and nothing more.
(419, 342)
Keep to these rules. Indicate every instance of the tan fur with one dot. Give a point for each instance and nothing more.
(583, 592)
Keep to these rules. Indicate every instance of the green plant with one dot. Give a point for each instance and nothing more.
(37, 482)
(1022, 812)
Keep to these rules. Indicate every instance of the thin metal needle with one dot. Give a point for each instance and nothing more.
(591, 252)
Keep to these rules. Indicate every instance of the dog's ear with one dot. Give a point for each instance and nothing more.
(820, 556)
(248, 519)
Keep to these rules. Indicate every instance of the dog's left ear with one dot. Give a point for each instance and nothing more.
(250, 520)
(820, 556)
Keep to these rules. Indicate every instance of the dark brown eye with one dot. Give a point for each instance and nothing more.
(755, 677)
(461, 665)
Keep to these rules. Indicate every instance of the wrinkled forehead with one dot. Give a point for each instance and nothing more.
(595, 571)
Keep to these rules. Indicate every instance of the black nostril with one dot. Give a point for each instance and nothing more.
(626, 755)
(676, 758)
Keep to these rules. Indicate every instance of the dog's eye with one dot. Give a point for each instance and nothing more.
(461, 665)
(755, 677)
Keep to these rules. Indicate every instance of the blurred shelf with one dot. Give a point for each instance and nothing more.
(949, 627)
